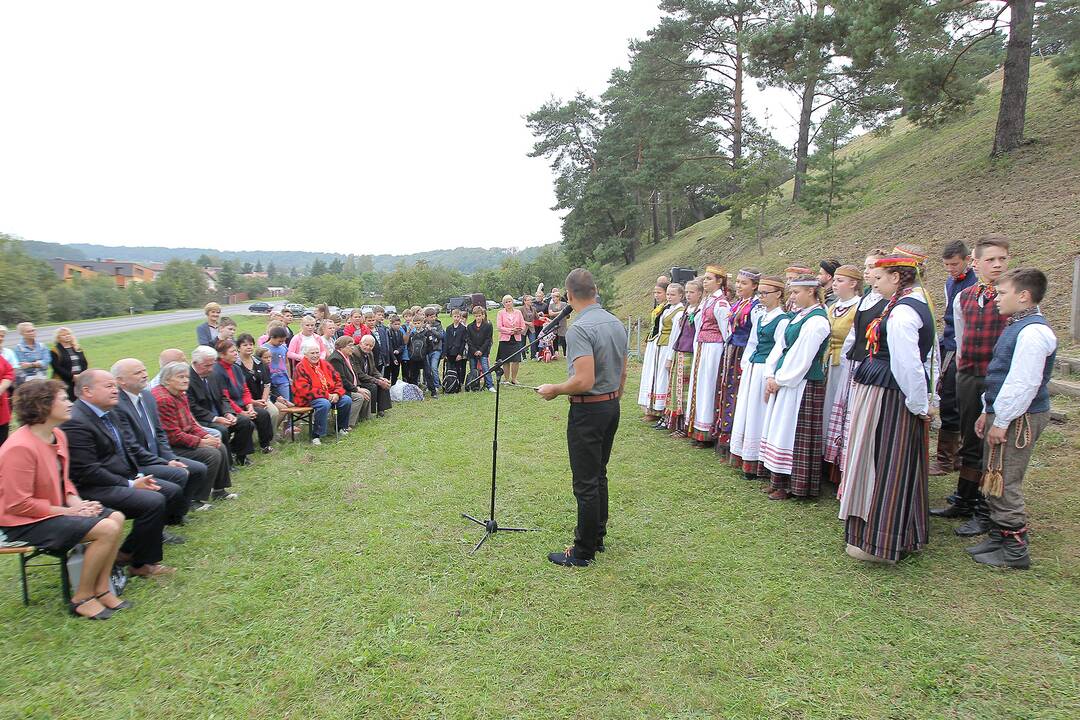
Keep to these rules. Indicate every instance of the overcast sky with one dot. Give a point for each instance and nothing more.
(342, 126)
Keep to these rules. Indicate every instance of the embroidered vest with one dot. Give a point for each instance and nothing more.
(667, 322)
(740, 321)
(876, 370)
(685, 341)
(999, 365)
(791, 334)
(982, 328)
(859, 352)
(840, 326)
(657, 313)
(766, 338)
(708, 329)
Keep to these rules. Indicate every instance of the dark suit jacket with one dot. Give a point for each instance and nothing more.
(156, 442)
(207, 403)
(343, 366)
(95, 460)
(383, 348)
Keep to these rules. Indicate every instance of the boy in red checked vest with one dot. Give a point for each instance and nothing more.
(977, 325)
(1016, 409)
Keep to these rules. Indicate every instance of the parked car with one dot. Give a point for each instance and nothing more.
(390, 310)
(333, 310)
(259, 307)
(367, 308)
(295, 308)
(492, 305)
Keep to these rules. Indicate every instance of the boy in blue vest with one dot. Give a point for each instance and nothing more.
(1016, 408)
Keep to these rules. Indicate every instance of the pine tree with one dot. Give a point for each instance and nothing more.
(829, 185)
(258, 266)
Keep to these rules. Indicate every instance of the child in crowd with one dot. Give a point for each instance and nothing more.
(546, 344)
(436, 336)
(227, 329)
(682, 345)
(397, 349)
(743, 312)
(454, 345)
(280, 380)
(1016, 409)
(307, 334)
(418, 344)
(328, 332)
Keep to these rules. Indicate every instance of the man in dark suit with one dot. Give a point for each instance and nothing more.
(138, 406)
(210, 409)
(368, 375)
(340, 361)
(104, 468)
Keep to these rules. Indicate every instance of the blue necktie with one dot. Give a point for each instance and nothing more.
(114, 431)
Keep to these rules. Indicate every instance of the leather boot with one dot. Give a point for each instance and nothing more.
(948, 447)
(979, 522)
(966, 491)
(990, 544)
(1013, 552)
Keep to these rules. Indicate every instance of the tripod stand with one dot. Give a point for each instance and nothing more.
(490, 526)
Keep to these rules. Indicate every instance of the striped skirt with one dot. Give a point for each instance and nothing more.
(727, 390)
(678, 380)
(897, 519)
(805, 477)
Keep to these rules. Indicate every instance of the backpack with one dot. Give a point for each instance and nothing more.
(418, 345)
(451, 383)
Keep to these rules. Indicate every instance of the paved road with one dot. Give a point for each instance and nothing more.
(90, 328)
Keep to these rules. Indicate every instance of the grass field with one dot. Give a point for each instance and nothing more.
(340, 586)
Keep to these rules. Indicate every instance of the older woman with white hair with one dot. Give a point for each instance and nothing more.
(186, 437)
(511, 326)
(318, 386)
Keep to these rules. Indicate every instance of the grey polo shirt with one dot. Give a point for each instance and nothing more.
(597, 332)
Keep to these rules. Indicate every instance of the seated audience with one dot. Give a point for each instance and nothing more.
(140, 409)
(255, 364)
(317, 386)
(103, 468)
(68, 360)
(341, 361)
(167, 356)
(231, 379)
(186, 437)
(368, 375)
(212, 410)
(40, 506)
(207, 333)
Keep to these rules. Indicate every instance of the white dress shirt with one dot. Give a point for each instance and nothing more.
(910, 372)
(1034, 344)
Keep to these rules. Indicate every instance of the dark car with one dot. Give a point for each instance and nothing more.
(259, 307)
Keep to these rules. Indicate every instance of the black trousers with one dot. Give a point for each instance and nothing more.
(264, 424)
(216, 462)
(147, 508)
(239, 436)
(391, 373)
(178, 505)
(590, 435)
(969, 390)
(949, 412)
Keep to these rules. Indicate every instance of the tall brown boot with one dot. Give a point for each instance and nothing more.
(948, 448)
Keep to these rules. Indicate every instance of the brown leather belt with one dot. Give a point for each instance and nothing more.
(596, 398)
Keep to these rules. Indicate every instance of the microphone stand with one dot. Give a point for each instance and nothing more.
(490, 525)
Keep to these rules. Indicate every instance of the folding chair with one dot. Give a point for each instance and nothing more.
(302, 415)
(27, 554)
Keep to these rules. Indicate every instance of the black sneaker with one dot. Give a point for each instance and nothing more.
(171, 538)
(568, 559)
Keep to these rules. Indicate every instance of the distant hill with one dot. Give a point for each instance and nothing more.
(465, 259)
(922, 185)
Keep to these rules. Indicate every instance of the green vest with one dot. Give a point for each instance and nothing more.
(791, 334)
(766, 338)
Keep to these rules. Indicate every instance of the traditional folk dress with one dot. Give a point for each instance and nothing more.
(792, 436)
(764, 346)
(711, 333)
(682, 344)
(653, 393)
(837, 367)
(854, 351)
(884, 498)
(648, 367)
(740, 322)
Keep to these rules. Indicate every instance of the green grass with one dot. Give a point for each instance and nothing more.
(921, 185)
(340, 586)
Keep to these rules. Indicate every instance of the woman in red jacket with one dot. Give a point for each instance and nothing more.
(39, 506)
(7, 379)
(231, 376)
(318, 386)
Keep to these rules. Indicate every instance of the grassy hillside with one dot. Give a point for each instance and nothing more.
(927, 186)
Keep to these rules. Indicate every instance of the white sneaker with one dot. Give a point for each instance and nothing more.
(316, 441)
(342, 433)
(202, 507)
(491, 389)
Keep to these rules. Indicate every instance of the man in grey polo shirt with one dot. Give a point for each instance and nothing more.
(596, 356)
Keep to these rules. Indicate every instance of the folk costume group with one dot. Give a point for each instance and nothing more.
(834, 378)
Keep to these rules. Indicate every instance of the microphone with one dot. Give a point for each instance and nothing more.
(554, 322)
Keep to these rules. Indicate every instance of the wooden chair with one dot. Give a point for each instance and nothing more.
(27, 554)
(302, 415)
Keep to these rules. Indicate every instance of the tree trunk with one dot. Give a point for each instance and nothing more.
(654, 201)
(699, 214)
(802, 148)
(761, 229)
(670, 218)
(737, 118)
(1014, 88)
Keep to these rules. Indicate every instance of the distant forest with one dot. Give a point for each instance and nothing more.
(467, 260)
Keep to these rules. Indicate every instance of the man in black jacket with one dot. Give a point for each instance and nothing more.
(139, 408)
(369, 377)
(210, 409)
(342, 364)
(104, 460)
